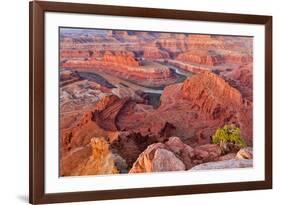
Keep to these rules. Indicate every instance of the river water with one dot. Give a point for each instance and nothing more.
(114, 81)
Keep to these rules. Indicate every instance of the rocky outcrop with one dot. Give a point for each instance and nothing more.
(219, 43)
(239, 58)
(245, 153)
(211, 94)
(79, 90)
(121, 57)
(155, 53)
(210, 58)
(184, 152)
(156, 159)
(130, 144)
(206, 153)
(165, 160)
(226, 164)
(219, 101)
(68, 77)
(67, 53)
(184, 157)
(107, 111)
(172, 45)
(81, 133)
(196, 108)
(174, 155)
(93, 159)
(204, 42)
(228, 156)
(242, 79)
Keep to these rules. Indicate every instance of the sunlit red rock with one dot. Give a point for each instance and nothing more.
(107, 111)
(172, 45)
(196, 108)
(123, 58)
(210, 57)
(174, 155)
(155, 53)
(93, 159)
(242, 79)
(156, 158)
(81, 133)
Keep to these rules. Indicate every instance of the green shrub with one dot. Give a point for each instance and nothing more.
(229, 133)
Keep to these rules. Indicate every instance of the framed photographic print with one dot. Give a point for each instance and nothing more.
(138, 102)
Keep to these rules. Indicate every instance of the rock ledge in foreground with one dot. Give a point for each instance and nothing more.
(226, 164)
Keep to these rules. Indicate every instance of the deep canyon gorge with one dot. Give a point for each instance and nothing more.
(137, 101)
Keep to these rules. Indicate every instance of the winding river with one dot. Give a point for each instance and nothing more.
(112, 81)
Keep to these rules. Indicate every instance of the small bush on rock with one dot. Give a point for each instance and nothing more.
(229, 134)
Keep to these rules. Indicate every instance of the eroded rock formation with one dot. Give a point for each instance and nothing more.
(210, 58)
(174, 155)
(93, 159)
(198, 107)
(123, 58)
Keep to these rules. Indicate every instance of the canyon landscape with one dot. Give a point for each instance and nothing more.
(138, 102)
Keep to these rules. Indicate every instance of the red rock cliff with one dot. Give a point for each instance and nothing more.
(196, 108)
(201, 57)
(123, 58)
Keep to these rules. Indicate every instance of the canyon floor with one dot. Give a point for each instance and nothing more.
(135, 102)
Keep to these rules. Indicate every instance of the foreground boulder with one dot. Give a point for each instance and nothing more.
(245, 153)
(174, 155)
(227, 157)
(226, 164)
(93, 159)
(206, 153)
(156, 158)
(165, 160)
(183, 151)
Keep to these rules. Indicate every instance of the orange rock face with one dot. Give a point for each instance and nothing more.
(94, 159)
(198, 107)
(172, 45)
(242, 79)
(81, 133)
(211, 94)
(201, 57)
(123, 58)
(155, 53)
(107, 112)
